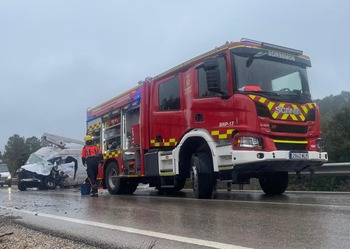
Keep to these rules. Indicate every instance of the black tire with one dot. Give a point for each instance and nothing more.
(274, 183)
(115, 184)
(22, 186)
(179, 183)
(202, 175)
(50, 183)
(9, 183)
(131, 186)
(41, 186)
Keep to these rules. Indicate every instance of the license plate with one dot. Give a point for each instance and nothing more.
(299, 155)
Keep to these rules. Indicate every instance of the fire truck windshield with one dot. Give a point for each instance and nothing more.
(275, 75)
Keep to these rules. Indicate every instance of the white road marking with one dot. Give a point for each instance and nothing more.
(188, 240)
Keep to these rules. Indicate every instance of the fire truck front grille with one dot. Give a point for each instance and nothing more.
(283, 146)
(288, 128)
(289, 143)
(262, 111)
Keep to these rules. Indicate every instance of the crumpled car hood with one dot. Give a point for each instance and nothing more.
(45, 169)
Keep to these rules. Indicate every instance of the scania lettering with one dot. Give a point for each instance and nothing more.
(240, 111)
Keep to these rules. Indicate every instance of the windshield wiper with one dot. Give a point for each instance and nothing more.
(254, 56)
(262, 92)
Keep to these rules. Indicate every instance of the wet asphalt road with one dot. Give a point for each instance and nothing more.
(237, 219)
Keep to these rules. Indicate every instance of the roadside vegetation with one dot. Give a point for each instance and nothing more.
(17, 151)
(335, 126)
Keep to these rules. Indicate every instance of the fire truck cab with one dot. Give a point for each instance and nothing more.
(241, 111)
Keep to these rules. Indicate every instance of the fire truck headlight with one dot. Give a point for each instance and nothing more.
(248, 142)
(319, 145)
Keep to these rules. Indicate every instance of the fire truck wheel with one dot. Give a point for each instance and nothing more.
(202, 175)
(179, 183)
(274, 183)
(115, 185)
(50, 183)
(22, 186)
(131, 186)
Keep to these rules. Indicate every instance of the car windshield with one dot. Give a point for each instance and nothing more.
(33, 158)
(3, 168)
(279, 78)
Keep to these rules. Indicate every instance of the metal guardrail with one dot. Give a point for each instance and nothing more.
(328, 169)
(333, 169)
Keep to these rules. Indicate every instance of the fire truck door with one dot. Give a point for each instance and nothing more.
(167, 121)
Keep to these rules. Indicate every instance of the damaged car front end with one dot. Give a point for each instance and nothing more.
(51, 167)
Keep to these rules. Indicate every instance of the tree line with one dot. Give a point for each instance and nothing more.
(18, 150)
(335, 126)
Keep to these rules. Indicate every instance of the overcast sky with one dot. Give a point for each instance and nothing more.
(57, 58)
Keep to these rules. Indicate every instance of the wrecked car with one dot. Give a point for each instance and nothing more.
(56, 165)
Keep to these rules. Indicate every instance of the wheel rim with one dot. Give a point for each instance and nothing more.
(50, 184)
(113, 179)
(194, 178)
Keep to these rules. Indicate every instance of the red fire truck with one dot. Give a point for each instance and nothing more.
(240, 111)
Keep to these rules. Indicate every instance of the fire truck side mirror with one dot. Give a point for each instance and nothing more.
(211, 68)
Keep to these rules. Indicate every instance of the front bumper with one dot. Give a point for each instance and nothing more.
(260, 161)
(6, 181)
(31, 182)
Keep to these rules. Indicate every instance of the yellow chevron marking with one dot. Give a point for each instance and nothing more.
(305, 109)
(262, 100)
(284, 116)
(270, 105)
(293, 117)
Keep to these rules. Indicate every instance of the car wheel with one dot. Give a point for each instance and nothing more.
(50, 183)
(22, 186)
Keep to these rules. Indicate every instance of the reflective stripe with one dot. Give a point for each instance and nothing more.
(290, 142)
(94, 127)
(171, 142)
(217, 134)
